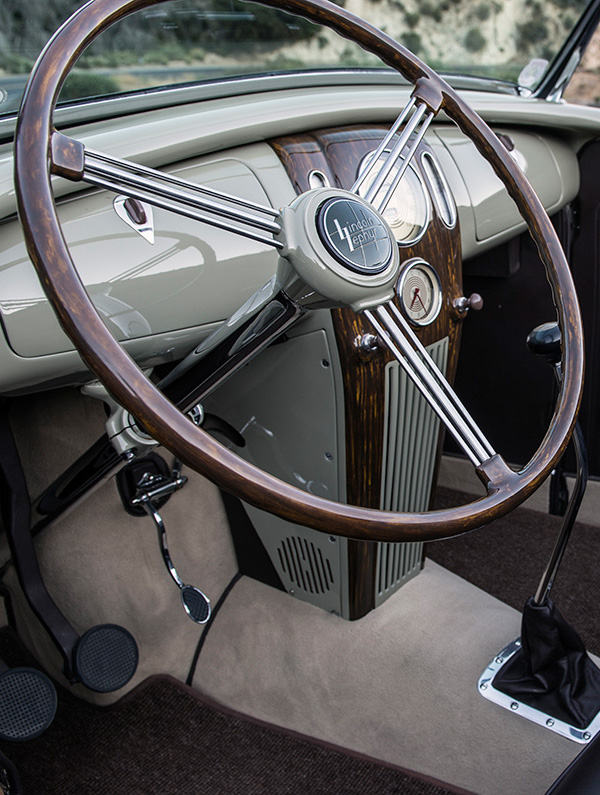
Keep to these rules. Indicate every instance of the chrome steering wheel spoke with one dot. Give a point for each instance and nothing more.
(395, 332)
(416, 118)
(249, 219)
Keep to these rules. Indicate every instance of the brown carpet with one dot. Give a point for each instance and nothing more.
(163, 738)
(507, 558)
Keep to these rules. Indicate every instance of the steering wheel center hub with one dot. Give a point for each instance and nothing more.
(355, 235)
(341, 248)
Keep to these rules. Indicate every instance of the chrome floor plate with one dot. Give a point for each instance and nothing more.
(488, 691)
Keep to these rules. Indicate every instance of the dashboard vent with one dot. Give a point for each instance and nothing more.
(440, 190)
(305, 565)
(411, 437)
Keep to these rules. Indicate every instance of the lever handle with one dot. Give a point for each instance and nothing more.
(545, 340)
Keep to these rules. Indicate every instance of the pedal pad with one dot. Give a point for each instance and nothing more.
(27, 703)
(106, 658)
(195, 604)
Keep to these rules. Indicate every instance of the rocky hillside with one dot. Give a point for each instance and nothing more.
(496, 37)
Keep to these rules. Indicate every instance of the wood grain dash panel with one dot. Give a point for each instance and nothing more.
(338, 153)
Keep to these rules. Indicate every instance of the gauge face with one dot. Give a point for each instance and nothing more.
(420, 292)
(408, 210)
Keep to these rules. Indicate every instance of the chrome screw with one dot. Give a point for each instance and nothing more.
(549, 723)
(483, 686)
(514, 705)
(587, 736)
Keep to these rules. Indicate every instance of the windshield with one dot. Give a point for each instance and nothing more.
(200, 40)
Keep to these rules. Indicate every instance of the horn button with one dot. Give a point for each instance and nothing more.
(341, 249)
(355, 235)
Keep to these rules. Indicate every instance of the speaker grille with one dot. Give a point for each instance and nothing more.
(305, 565)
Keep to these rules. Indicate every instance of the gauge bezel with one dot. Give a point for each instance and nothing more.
(406, 269)
(423, 185)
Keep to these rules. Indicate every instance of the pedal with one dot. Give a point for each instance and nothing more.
(153, 488)
(106, 658)
(195, 603)
(27, 703)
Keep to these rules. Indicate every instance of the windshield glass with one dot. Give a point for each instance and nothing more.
(199, 40)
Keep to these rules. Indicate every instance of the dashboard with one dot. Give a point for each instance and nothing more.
(162, 297)
(325, 407)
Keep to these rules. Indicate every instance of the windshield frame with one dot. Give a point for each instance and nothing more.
(72, 113)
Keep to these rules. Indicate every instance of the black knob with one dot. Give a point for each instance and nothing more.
(545, 340)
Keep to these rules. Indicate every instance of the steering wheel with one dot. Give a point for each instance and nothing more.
(335, 250)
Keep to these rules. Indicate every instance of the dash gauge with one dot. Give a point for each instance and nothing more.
(420, 292)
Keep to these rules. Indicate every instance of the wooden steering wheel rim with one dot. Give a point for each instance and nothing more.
(121, 376)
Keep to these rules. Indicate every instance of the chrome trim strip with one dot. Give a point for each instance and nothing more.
(93, 109)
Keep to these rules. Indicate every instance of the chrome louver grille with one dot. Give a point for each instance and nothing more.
(411, 437)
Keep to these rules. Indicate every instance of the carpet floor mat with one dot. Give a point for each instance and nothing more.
(164, 738)
(507, 559)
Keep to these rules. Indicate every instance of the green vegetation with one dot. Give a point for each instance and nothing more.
(474, 40)
(574, 5)
(172, 42)
(482, 11)
(429, 9)
(175, 32)
(412, 41)
(86, 84)
(531, 34)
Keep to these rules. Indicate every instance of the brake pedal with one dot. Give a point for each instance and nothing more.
(106, 658)
(27, 703)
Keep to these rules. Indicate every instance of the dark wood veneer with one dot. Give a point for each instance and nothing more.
(338, 153)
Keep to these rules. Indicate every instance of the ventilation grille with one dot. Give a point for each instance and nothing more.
(396, 562)
(305, 565)
(411, 434)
